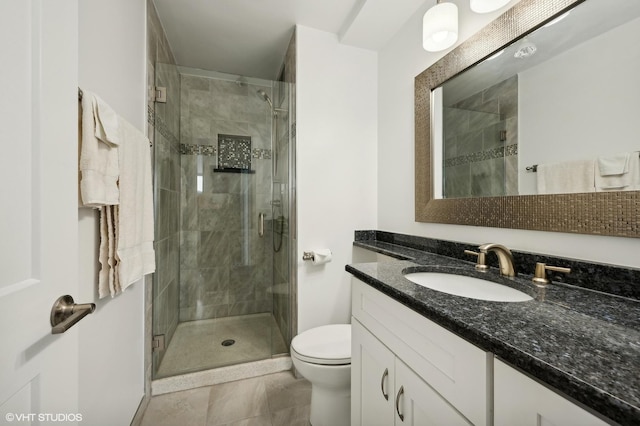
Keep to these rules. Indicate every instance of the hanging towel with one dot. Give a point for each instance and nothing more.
(628, 180)
(108, 280)
(107, 123)
(614, 165)
(99, 142)
(567, 177)
(115, 168)
(134, 215)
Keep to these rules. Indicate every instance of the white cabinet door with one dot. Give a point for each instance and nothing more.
(372, 379)
(521, 401)
(385, 391)
(417, 404)
(38, 212)
(453, 367)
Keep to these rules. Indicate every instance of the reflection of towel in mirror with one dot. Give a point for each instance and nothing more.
(567, 177)
(614, 165)
(628, 177)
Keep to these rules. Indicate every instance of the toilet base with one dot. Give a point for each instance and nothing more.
(330, 406)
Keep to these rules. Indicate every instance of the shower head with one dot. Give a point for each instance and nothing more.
(265, 97)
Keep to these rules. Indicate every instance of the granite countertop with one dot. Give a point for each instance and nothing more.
(582, 342)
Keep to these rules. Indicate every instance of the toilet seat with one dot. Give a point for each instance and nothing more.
(325, 345)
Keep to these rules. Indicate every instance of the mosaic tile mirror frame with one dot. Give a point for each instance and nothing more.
(601, 213)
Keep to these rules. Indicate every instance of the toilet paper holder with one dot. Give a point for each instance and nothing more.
(317, 257)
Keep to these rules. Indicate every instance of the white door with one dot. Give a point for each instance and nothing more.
(38, 209)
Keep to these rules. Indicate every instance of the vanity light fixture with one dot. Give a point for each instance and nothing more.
(525, 50)
(440, 27)
(486, 6)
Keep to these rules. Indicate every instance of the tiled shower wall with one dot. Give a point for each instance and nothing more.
(164, 129)
(225, 266)
(481, 143)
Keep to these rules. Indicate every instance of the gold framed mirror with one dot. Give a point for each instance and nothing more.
(601, 213)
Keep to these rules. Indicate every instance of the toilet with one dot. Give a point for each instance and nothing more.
(322, 355)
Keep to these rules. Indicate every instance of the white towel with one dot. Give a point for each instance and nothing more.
(614, 165)
(115, 166)
(107, 123)
(628, 180)
(99, 167)
(108, 280)
(135, 230)
(567, 177)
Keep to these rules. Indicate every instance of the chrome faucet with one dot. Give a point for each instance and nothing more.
(505, 258)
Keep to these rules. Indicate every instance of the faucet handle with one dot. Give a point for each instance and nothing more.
(540, 275)
(482, 262)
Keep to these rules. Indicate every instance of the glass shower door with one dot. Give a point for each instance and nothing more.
(228, 306)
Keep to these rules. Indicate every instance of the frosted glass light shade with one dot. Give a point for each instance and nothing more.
(440, 27)
(486, 6)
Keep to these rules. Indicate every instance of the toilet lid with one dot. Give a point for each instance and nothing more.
(328, 345)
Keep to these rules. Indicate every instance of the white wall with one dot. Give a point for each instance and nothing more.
(111, 64)
(583, 108)
(336, 167)
(398, 63)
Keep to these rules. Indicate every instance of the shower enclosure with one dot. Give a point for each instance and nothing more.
(223, 184)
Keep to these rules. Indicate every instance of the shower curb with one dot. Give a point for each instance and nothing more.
(220, 375)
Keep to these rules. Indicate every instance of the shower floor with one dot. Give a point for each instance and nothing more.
(197, 345)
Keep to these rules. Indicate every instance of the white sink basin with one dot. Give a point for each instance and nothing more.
(473, 288)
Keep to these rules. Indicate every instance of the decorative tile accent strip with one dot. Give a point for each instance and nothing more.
(261, 153)
(191, 149)
(186, 149)
(151, 115)
(482, 155)
(234, 152)
(160, 126)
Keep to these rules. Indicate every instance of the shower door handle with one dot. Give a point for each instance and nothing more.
(261, 225)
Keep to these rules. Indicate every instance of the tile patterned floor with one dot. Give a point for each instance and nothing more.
(274, 400)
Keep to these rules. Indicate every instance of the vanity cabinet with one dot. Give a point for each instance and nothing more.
(519, 400)
(387, 392)
(398, 355)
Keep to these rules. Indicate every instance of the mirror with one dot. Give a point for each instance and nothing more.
(605, 213)
(535, 102)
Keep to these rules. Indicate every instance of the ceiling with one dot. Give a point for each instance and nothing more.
(250, 37)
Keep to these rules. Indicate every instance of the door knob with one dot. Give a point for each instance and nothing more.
(65, 313)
